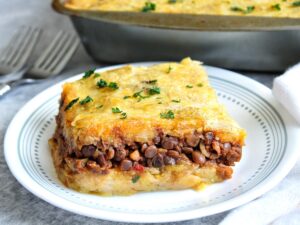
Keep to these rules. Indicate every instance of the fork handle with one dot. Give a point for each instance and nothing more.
(4, 88)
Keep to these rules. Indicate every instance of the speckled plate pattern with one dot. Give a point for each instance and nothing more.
(269, 154)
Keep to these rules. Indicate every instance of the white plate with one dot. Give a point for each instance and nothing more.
(271, 151)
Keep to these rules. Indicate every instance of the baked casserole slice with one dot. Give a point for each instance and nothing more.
(150, 128)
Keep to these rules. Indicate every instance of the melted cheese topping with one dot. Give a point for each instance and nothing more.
(273, 8)
(184, 89)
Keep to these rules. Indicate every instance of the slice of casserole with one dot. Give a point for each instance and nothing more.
(144, 129)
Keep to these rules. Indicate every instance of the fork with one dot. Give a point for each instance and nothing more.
(50, 62)
(17, 52)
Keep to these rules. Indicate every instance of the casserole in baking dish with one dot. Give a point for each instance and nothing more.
(273, 8)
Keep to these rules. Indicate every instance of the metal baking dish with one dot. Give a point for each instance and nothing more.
(269, 46)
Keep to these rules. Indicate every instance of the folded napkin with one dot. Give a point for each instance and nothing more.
(286, 89)
(281, 205)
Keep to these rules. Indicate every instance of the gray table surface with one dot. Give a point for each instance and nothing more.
(17, 205)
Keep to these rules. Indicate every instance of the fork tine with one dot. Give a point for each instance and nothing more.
(58, 48)
(67, 56)
(8, 49)
(14, 46)
(42, 60)
(64, 55)
(26, 48)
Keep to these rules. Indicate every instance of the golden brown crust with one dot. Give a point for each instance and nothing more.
(198, 108)
(271, 8)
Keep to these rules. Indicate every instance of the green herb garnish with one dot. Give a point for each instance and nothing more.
(176, 101)
(113, 85)
(150, 81)
(236, 9)
(169, 69)
(127, 96)
(86, 100)
(249, 9)
(123, 115)
(116, 110)
(174, 1)
(149, 6)
(167, 115)
(139, 96)
(88, 73)
(189, 86)
(97, 75)
(71, 103)
(276, 7)
(296, 3)
(99, 106)
(135, 178)
(200, 85)
(101, 83)
(154, 91)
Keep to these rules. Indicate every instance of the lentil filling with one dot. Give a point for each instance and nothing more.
(199, 148)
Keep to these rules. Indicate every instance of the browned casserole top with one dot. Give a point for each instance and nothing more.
(274, 8)
(136, 103)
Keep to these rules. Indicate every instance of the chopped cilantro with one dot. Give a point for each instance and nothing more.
(176, 101)
(97, 75)
(150, 81)
(169, 69)
(113, 85)
(154, 90)
(71, 103)
(101, 83)
(249, 9)
(116, 110)
(159, 103)
(139, 96)
(135, 178)
(99, 106)
(175, 1)
(86, 100)
(236, 9)
(88, 73)
(148, 7)
(123, 115)
(276, 7)
(127, 96)
(189, 86)
(167, 115)
(151, 91)
(296, 3)
(200, 85)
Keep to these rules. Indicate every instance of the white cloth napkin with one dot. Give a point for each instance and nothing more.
(286, 89)
(281, 205)
(277, 207)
